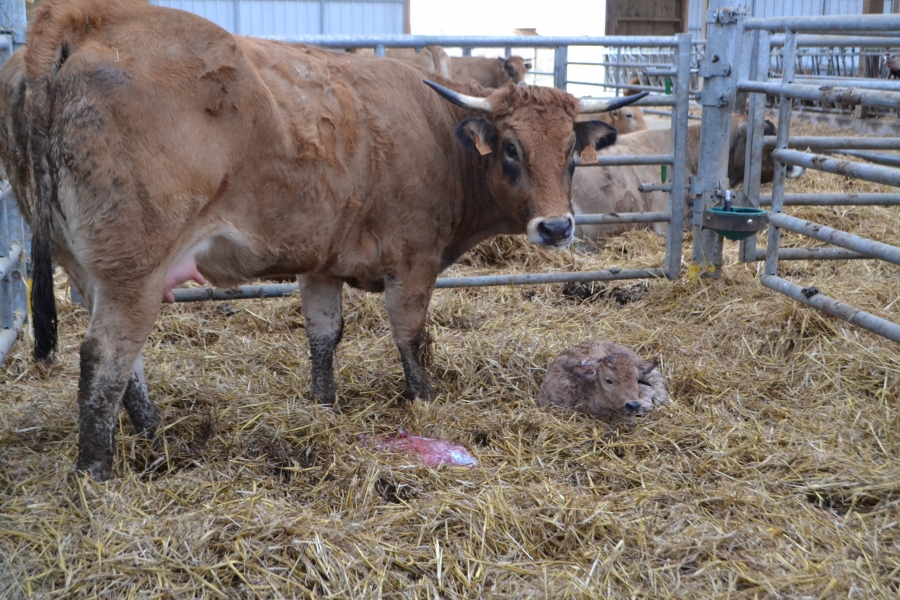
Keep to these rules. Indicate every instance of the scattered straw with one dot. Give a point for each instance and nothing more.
(773, 473)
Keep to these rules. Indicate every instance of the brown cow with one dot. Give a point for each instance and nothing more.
(598, 190)
(431, 58)
(626, 120)
(489, 72)
(599, 378)
(163, 148)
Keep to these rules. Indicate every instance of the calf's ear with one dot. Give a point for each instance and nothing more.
(594, 134)
(477, 134)
(528, 66)
(585, 370)
(645, 367)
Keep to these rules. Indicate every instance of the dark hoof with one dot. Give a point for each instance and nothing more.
(96, 469)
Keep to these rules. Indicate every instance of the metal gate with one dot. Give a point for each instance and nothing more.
(737, 63)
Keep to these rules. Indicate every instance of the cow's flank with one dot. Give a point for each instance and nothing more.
(165, 149)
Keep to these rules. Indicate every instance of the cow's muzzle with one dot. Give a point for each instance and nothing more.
(793, 171)
(552, 231)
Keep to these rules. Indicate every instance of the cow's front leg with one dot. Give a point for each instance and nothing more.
(407, 307)
(320, 299)
(111, 346)
(141, 410)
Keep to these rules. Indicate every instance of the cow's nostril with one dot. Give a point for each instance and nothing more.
(553, 230)
(633, 407)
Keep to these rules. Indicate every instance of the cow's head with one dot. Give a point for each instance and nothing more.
(610, 384)
(528, 141)
(739, 131)
(515, 67)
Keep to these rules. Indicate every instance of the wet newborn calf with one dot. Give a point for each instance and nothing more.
(601, 378)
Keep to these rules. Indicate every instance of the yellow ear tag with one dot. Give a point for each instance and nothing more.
(588, 156)
(483, 149)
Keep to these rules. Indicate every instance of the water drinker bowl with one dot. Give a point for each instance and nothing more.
(735, 223)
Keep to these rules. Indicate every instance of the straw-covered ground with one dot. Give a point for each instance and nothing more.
(773, 473)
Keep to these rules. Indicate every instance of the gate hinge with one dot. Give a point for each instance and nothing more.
(725, 15)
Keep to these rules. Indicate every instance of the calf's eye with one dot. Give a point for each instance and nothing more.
(609, 381)
(510, 151)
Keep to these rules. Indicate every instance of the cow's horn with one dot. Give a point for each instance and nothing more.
(461, 100)
(606, 104)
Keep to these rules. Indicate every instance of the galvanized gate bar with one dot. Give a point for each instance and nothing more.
(839, 143)
(8, 262)
(813, 297)
(9, 336)
(834, 199)
(862, 84)
(616, 161)
(278, 290)
(600, 218)
(873, 173)
(838, 238)
(838, 95)
(839, 41)
(812, 254)
(510, 41)
(872, 24)
(879, 158)
(677, 192)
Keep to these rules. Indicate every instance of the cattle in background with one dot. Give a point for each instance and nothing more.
(433, 59)
(598, 190)
(626, 120)
(164, 149)
(489, 72)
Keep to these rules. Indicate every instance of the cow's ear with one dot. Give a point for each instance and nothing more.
(510, 68)
(477, 134)
(594, 134)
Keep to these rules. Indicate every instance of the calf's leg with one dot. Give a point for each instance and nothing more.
(320, 299)
(109, 353)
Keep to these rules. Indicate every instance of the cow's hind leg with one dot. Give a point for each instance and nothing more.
(109, 353)
(407, 307)
(320, 299)
(141, 410)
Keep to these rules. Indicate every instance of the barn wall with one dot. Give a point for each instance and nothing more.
(781, 8)
(298, 17)
(651, 17)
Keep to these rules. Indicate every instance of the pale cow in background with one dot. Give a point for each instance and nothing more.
(625, 120)
(433, 59)
(489, 72)
(598, 190)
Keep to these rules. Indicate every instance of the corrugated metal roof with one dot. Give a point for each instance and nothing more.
(297, 17)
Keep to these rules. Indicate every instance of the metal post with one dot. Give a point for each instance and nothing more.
(561, 67)
(717, 100)
(675, 231)
(784, 123)
(6, 288)
(13, 18)
(759, 49)
(379, 50)
(467, 51)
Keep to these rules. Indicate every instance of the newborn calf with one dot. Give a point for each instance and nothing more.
(601, 378)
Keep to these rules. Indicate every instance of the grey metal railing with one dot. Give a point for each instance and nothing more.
(749, 74)
(13, 293)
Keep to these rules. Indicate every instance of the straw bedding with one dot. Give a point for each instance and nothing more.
(772, 473)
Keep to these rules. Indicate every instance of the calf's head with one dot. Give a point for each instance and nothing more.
(515, 67)
(528, 140)
(610, 384)
(739, 132)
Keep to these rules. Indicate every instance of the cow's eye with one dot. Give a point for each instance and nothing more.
(609, 381)
(510, 151)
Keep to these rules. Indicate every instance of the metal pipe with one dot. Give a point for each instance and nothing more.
(890, 160)
(838, 95)
(646, 188)
(652, 100)
(837, 143)
(843, 239)
(633, 65)
(278, 290)
(471, 41)
(9, 262)
(876, 174)
(561, 67)
(834, 199)
(813, 297)
(663, 113)
(871, 24)
(812, 254)
(839, 41)
(9, 336)
(674, 231)
(616, 161)
(862, 84)
(646, 217)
